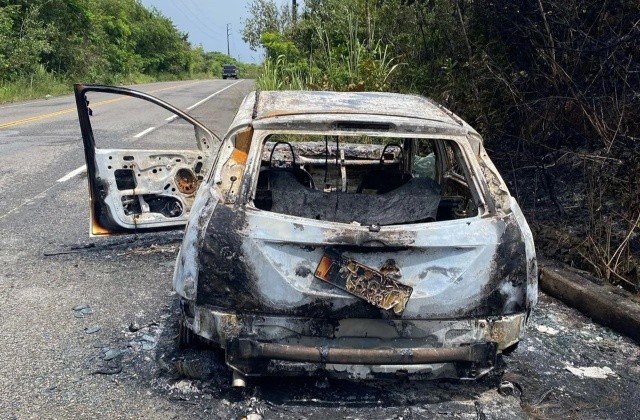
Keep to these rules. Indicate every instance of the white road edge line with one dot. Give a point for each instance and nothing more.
(73, 173)
(142, 133)
(174, 116)
(212, 95)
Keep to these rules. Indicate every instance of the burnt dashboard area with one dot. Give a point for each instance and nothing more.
(364, 180)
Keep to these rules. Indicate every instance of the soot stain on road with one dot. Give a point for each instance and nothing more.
(542, 387)
(197, 381)
(534, 382)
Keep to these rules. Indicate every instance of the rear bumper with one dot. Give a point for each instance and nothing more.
(476, 353)
(361, 348)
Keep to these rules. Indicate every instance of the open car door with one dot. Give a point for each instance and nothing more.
(134, 186)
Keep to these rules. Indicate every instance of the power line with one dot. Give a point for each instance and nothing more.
(189, 14)
(198, 16)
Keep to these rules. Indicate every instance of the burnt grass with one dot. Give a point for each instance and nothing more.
(580, 202)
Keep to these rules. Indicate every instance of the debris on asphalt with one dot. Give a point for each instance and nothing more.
(547, 330)
(148, 342)
(135, 327)
(254, 409)
(92, 329)
(506, 388)
(111, 354)
(82, 310)
(591, 372)
(108, 370)
(185, 387)
(198, 365)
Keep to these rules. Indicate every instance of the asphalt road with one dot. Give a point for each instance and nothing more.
(118, 359)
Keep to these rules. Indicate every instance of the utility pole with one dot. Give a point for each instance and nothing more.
(294, 11)
(228, 53)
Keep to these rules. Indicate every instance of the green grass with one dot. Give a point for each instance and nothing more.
(36, 88)
(44, 85)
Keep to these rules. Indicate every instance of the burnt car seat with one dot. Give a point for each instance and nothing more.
(384, 179)
(269, 175)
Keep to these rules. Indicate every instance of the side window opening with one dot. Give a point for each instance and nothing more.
(361, 179)
(457, 200)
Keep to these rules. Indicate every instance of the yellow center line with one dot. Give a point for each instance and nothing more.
(69, 110)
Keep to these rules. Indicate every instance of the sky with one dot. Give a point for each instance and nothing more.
(206, 23)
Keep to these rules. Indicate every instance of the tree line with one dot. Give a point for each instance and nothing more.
(553, 86)
(109, 41)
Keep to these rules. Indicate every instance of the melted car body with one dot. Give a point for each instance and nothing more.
(344, 234)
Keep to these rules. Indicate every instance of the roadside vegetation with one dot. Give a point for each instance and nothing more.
(553, 85)
(46, 45)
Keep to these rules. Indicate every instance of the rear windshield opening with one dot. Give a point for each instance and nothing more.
(363, 179)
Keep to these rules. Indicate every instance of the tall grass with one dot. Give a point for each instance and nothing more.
(38, 85)
(358, 66)
(279, 75)
(271, 76)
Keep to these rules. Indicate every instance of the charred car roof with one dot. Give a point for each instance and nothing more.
(268, 108)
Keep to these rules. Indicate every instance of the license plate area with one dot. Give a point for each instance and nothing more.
(362, 281)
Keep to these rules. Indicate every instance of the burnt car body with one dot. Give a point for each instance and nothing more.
(343, 234)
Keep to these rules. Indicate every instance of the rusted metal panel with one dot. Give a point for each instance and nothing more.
(474, 353)
(125, 204)
(132, 190)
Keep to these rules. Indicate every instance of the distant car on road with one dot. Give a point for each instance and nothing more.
(229, 70)
(332, 233)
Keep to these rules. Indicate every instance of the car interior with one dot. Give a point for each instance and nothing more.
(363, 179)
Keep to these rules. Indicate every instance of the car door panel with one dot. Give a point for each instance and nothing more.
(142, 189)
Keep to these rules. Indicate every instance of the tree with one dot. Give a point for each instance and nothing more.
(264, 16)
(25, 39)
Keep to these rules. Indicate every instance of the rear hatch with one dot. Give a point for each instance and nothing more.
(368, 231)
(454, 269)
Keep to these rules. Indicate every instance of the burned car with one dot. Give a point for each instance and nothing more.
(343, 234)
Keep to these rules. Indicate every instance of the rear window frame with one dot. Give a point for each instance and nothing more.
(477, 187)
